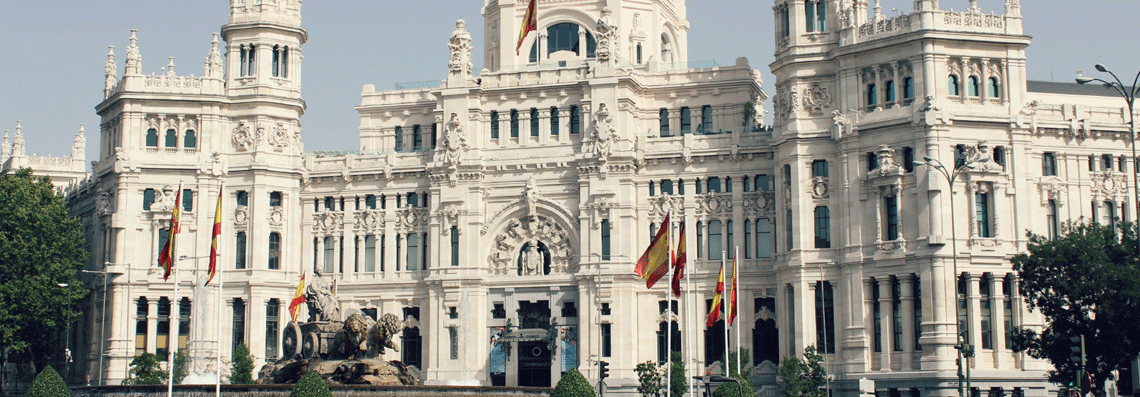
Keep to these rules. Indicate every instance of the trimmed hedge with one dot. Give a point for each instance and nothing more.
(573, 384)
(48, 384)
(311, 385)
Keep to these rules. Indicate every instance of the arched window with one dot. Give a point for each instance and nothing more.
(908, 88)
(872, 95)
(890, 91)
(952, 87)
(666, 49)
(190, 140)
(152, 138)
(995, 88)
(171, 138)
(973, 89)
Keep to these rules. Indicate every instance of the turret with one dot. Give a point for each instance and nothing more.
(264, 48)
(18, 142)
(110, 73)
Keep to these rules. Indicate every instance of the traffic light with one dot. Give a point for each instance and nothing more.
(1078, 349)
(604, 370)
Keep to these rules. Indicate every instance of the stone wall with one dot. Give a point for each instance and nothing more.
(284, 390)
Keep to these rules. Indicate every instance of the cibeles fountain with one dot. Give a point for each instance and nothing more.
(203, 343)
(343, 347)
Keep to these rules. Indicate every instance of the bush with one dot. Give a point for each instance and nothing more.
(242, 371)
(181, 366)
(650, 379)
(144, 370)
(679, 382)
(732, 389)
(573, 384)
(311, 385)
(48, 384)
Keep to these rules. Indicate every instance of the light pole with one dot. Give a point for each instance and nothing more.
(1129, 95)
(66, 343)
(965, 350)
(103, 316)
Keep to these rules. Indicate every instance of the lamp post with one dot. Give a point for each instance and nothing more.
(965, 350)
(103, 316)
(66, 343)
(1129, 95)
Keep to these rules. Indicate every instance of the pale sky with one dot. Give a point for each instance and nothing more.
(55, 51)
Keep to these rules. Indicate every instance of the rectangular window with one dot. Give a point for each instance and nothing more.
(330, 255)
(369, 254)
(878, 315)
(413, 259)
(1048, 164)
(1051, 218)
(399, 139)
(1006, 291)
(763, 183)
(666, 187)
(788, 226)
(606, 340)
(983, 214)
(819, 168)
(700, 240)
(152, 138)
(963, 309)
(664, 122)
(533, 122)
(825, 317)
(412, 349)
(891, 218)
(728, 242)
(424, 251)
(908, 159)
(274, 251)
(242, 198)
(148, 199)
(706, 118)
(1106, 162)
(382, 244)
(187, 200)
(714, 185)
(453, 336)
(747, 238)
(575, 120)
(454, 246)
(162, 340)
(514, 123)
(417, 138)
(272, 311)
(370, 202)
(715, 246)
(141, 325)
(238, 324)
(986, 313)
(554, 121)
(605, 239)
(275, 199)
(896, 315)
(239, 251)
(822, 227)
(764, 239)
(434, 134)
(917, 294)
(494, 125)
(686, 120)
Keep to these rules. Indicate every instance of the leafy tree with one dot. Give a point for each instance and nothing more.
(311, 385)
(803, 377)
(733, 389)
(144, 370)
(649, 376)
(41, 248)
(1086, 281)
(181, 366)
(48, 384)
(242, 370)
(573, 384)
(732, 357)
(679, 382)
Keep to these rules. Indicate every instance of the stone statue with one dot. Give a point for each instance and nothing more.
(243, 139)
(532, 261)
(454, 143)
(323, 305)
(531, 196)
(601, 141)
(165, 201)
(460, 45)
(134, 60)
(607, 34)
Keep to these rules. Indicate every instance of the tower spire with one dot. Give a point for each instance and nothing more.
(134, 59)
(110, 71)
(213, 66)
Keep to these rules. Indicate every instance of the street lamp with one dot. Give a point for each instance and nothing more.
(103, 317)
(66, 342)
(1129, 95)
(965, 350)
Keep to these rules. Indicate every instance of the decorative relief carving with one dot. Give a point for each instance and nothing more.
(759, 203)
(454, 144)
(449, 216)
(787, 101)
(885, 163)
(411, 219)
(980, 157)
(369, 221)
(328, 224)
(164, 202)
(819, 189)
(535, 231)
(1110, 186)
(661, 205)
(460, 45)
(241, 215)
(277, 216)
(846, 124)
(816, 99)
(1054, 188)
(601, 140)
(280, 137)
(714, 205)
(607, 35)
(243, 136)
(601, 206)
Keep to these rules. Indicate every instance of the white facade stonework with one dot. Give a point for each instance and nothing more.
(521, 196)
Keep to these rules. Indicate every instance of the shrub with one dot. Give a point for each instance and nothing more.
(732, 389)
(679, 382)
(48, 384)
(573, 384)
(650, 379)
(311, 385)
(144, 370)
(242, 371)
(181, 366)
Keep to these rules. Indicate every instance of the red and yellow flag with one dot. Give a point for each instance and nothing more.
(530, 23)
(654, 263)
(298, 298)
(166, 258)
(214, 238)
(679, 263)
(732, 295)
(714, 311)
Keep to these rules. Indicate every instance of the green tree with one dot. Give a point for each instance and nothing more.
(803, 377)
(181, 366)
(649, 377)
(41, 248)
(311, 385)
(48, 384)
(1086, 281)
(573, 384)
(733, 389)
(679, 382)
(732, 357)
(241, 373)
(144, 370)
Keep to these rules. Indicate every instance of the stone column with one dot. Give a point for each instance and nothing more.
(886, 318)
(895, 84)
(544, 125)
(906, 289)
(869, 319)
(540, 46)
(878, 70)
(997, 310)
(997, 198)
(152, 325)
(964, 79)
(319, 263)
(973, 318)
(983, 83)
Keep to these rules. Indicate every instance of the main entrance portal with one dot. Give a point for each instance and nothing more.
(534, 356)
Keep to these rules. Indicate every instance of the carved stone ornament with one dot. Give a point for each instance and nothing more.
(846, 124)
(885, 163)
(459, 64)
(518, 232)
(759, 203)
(714, 205)
(787, 101)
(243, 136)
(449, 216)
(607, 35)
(280, 137)
(164, 202)
(104, 203)
(980, 156)
(816, 99)
(1110, 186)
(454, 144)
(1053, 188)
(241, 215)
(661, 205)
(601, 206)
(328, 224)
(277, 216)
(411, 219)
(369, 221)
(601, 140)
(531, 196)
(819, 189)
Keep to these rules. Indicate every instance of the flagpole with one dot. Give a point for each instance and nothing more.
(736, 304)
(218, 272)
(689, 368)
(669, 313)
(724, 309)
(175, 224)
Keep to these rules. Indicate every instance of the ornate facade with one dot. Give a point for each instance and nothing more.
(499, 213)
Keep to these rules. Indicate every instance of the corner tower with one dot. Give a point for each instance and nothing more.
(643, 31)
(263, 46)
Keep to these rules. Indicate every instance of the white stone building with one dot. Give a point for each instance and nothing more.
(519, 197)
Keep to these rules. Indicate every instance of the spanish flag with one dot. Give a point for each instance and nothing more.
(530, 23)
(214, 238)
(714, 311)
(166, 258)
(298, 298)
(732, 295)
(679, 263)
(654, 263)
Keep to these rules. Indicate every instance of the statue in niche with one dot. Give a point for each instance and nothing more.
(323, 305)
(460, 45)
(601, 141)
(532, 260)
(607, 34)
(454, 143)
